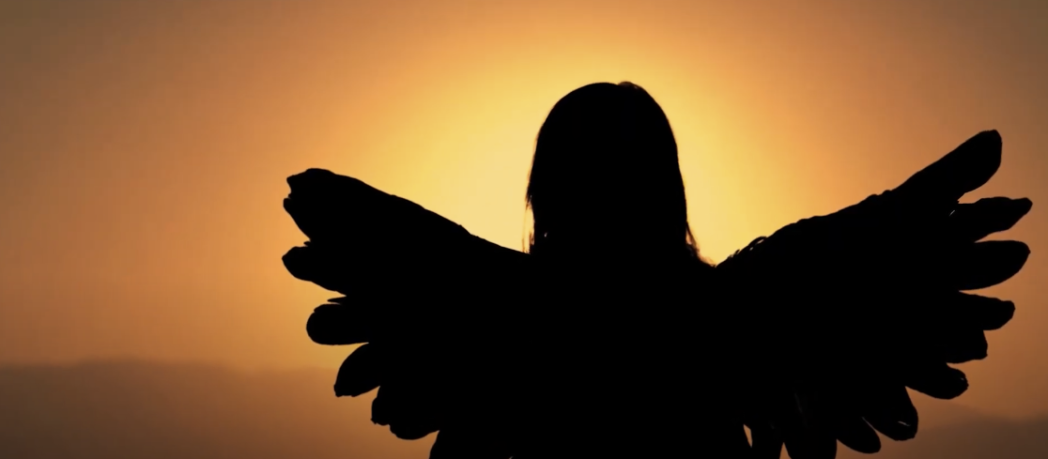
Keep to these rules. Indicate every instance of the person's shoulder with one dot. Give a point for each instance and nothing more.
(698, 265)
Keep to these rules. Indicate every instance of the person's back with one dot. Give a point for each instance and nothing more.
(611, 231)
(632, 378)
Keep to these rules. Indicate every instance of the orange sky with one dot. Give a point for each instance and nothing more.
(144, 145)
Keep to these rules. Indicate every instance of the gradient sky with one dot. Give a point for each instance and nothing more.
(144, 144)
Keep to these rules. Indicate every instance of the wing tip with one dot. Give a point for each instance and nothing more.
(1024, 205)
(992, 135)
(984, 153)
(311, 172)
(969, 166)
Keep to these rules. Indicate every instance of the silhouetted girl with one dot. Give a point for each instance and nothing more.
(610, 217)
(613, 338)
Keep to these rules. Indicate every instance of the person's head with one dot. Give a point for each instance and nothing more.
(605, 177)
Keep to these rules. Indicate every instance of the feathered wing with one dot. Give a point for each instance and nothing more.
(838, 315)
(438, 310)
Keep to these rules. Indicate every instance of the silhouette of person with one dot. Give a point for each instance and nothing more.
(612, 337)
(610, 219)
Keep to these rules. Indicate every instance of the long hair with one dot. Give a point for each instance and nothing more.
(606, 156)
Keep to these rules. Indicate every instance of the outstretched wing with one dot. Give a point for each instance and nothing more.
(436, 308)
(842, 313)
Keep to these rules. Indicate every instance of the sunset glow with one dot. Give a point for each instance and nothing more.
(144, 145)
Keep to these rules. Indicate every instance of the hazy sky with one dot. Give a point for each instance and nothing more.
(144, 144)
